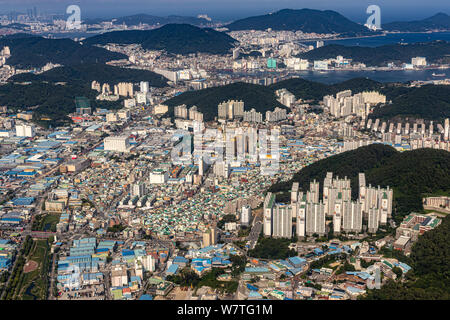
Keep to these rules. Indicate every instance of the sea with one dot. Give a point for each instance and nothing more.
(382, 76)
(330, 77)
(389, 38)
(336, 76)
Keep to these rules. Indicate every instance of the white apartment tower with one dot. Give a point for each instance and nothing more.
(269, 203)
(352, 217)
(446, 129)
(25, 130)
(246, 215)
(315, 219)
(282, 221)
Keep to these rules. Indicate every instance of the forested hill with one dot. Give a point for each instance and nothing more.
(89, 72)
(430, 102)
(50, 100)
(429, 278)
(306, 20)
(261, 98)
(311, 90)
(172, 38)
(440, 21)
(411, 173)
(28, 52)
(137, 19)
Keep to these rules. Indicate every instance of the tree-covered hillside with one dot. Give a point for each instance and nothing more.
(89, 72)
(310, 90)
(172, 38)
(440, 21)
(29, 52)
(306, 20)
(435, 52)
(430, 102)
(48, 100)
(429, 278)
(254, 96)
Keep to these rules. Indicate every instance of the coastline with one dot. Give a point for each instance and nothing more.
(384, 34)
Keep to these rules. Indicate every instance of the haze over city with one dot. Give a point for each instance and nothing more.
(234, 9)
(193, 154)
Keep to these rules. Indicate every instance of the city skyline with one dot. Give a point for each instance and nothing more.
(231, 10)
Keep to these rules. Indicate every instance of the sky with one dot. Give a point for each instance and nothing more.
(226, 10)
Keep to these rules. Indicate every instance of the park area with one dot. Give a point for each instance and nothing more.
(29, 280)
(45, 222)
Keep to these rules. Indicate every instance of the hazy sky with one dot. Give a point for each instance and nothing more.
(233, 9)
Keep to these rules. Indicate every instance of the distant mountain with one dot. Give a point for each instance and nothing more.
(440, 21)
(255, 96)
(306, 20)
(173, 38)
(137, 19)
(435, 52)
(29, 51)
(86, 73)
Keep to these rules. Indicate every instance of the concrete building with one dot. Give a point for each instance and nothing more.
(209, 237)
(253, 116)
(246, 215)
(315, 219)
(282, 221)
(25, 130)
(119, 276)
(419, 61)
(269, 203)
(230, 110)
(277, 114)
(159, 176)
(118, 144)
(137, 189)
(352, 217)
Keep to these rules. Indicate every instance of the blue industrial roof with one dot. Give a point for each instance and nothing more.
(251, 287)
(172, 269)
(296, 260)
(318, 251)
(180, 260)
(127, 252)
(254, 295)
(23, 201)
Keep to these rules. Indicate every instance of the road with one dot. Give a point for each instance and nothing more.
(256, 231)
(52, 279)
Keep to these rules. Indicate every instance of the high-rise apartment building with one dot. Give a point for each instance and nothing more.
(282, 221)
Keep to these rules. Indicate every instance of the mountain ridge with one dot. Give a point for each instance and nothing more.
(306, 20)
(173, 38)
(30, 51)
(136, 19)
(439, 21)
